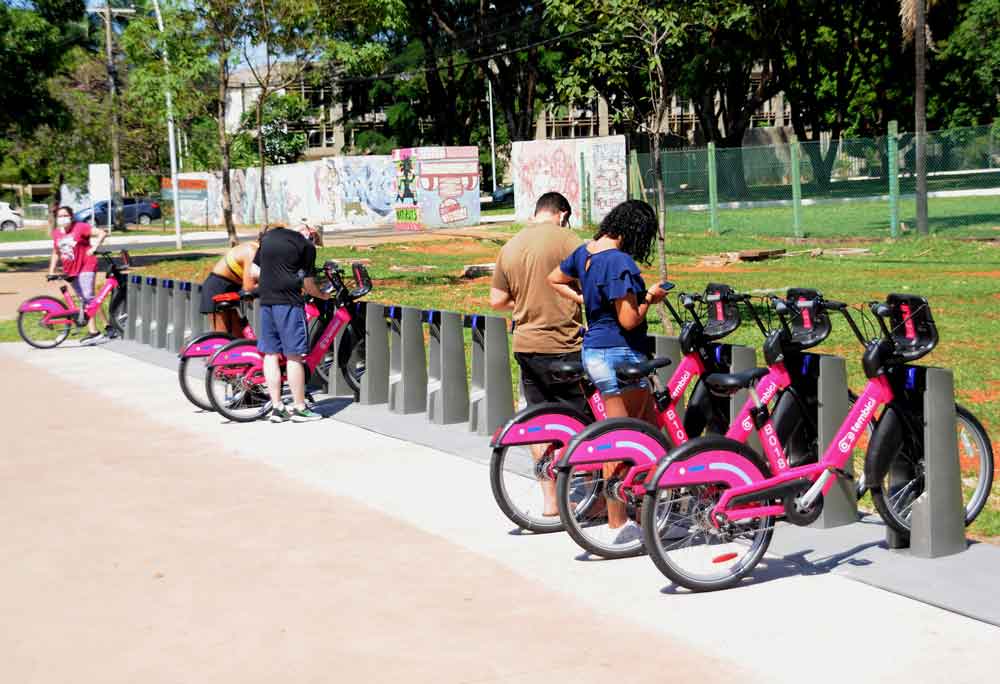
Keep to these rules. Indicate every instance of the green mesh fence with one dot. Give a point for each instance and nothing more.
(833, 188)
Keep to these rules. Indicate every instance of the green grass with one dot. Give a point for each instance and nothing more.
(950, 217)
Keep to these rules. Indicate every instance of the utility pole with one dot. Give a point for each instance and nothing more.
(107, 13)
(493, 147)
(170, 137)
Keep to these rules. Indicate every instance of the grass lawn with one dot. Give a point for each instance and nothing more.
(959, 278)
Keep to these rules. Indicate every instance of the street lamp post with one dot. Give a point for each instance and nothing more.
(171, 140)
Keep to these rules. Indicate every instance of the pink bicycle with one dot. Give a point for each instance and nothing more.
(722, 496)
(515, 476)
(235, 383)
(192, 367)
(45, 322)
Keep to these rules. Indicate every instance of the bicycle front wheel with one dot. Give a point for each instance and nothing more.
(234, 395)
(690, 550)
(33, 329)
(902, 479)
(588, 525)
(351, 358)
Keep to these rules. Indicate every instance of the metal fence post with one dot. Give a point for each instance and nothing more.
(148, 314)
(938, 515)
(408, 380)
(796, 173)
(840, 506)
(447, 386)
(742, 358)
(178, 331)
(197, 318)
(132, 304)
(892, 143)
(634, 176)
(713, 192)
(375, 381)
(164, 294)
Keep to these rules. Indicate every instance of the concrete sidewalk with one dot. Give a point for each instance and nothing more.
(775, 628)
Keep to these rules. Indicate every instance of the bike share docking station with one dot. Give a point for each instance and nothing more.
(937, 516)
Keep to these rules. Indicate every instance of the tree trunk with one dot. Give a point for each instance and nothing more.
(222, 105)
(661, 214)
(920, 107)
(260, 153)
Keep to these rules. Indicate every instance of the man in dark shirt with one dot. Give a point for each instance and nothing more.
(286, 259)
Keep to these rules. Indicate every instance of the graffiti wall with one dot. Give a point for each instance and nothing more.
(415, 188)
(362, 189)
(436, 187)
(540, 166)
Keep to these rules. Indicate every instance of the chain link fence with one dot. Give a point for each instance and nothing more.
(853, 187)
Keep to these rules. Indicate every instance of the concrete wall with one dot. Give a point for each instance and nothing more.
(540, 166)
(436, 187)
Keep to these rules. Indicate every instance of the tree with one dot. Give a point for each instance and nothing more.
(631, 55)
(280, 42)
(274, 134)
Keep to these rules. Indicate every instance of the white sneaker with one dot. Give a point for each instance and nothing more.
(626, 534)
(92, 339)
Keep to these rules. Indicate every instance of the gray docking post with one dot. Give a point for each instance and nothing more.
(491, 399)
(163, 297)
(407, 361)
(179, 313)
(840, 505)
(375, 381)
(741, 359)
(132, 304)
(938, 515)
(197, 322)
(147, 311)
(447, 386)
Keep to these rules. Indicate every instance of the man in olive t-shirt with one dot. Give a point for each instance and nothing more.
(547, 327)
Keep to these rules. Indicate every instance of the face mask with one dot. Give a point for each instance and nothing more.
(62, 221)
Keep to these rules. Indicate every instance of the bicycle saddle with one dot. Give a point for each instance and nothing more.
(634, 372)
(731, 383)
(567, 371)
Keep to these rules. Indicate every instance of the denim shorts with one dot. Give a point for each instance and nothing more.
(601, 364)
(282, 330)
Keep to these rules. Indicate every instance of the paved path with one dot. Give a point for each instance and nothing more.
(208, 238)
(175, 547)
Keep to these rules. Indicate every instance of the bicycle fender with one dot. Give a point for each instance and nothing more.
(707, 460)
(205, 344)
(237, 353)
(885, 443)
(541, 423)
(46, 304)
(615, 439)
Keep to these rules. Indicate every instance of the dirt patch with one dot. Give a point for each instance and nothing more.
(985, 395)
(979, 274)
(453, 247)
(698, 268)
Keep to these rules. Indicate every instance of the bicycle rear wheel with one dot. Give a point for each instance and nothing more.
(516, 482)
(234, 395)
(696, 554)
(33, 329)
(191, 372)
(902, 477)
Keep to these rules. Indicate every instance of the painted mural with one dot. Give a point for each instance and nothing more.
(362, 189)
(436, 187)
(415, 188)
(540, 166)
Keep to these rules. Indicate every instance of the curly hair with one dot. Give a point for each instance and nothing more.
(634, 221)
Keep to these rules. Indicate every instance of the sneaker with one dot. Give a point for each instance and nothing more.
(628, 533)
(110, 333)
(279, 415)
(305, 415)
(90, 339)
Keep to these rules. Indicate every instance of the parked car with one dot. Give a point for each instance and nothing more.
(10, 218)
(139, 211)
(503, 197)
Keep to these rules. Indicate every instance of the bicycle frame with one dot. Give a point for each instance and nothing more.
(68, 314)
(207, 343)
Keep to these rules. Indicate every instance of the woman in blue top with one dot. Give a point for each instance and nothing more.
(616, 301)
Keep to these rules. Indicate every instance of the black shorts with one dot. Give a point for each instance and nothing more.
(215, 285)
(539, 385)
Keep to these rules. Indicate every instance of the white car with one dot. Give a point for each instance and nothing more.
(10, 218)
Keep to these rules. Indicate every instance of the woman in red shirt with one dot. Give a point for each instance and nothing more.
(71, 245)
